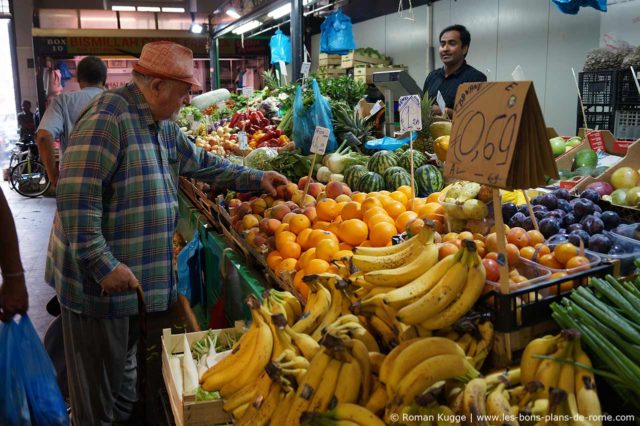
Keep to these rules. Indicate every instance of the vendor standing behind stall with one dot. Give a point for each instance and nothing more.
(454, 46)
(117, 212)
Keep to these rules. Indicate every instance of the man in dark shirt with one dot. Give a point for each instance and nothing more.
(454, 45)
(27, 121)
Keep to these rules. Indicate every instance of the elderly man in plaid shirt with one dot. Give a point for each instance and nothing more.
(117, 212)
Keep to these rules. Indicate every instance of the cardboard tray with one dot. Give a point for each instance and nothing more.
(186, 410)
(353, 59)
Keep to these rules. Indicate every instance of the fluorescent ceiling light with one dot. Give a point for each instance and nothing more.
(173, 9)
(196, 28)
(280, 12)
(148, 9)
(247, 27)
(123, 8)
(233, 13)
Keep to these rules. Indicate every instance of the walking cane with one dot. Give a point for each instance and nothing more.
(142, 350)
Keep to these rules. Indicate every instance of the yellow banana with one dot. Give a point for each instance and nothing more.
(326, 389)
(423, 237)
(349, 380)
(548, 372)
(280, 414)
(541, 346)
(368, 263)
(406, 332)
(464, 342)
(498, 408)
(292, 301)
(416, 288)
(473, 400)
(384, 330)
(354, 413)
(319, 303)
(378, 399)
(239, 412)
(307, 387)
(332, 314)
(305, 343)
(585, 388)
(486, 331)
(361, 355)
(511, 376)
(389, 361)
(369, 341)
(397, 277)
(260, 412)
(376, 359)
(259, 390)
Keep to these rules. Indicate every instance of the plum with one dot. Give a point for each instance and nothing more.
(549, 226)
(629, 231)
(574, 227)
(522, 208)
(593, 225)
(562, 194)
(508, 210)
(573, 201)
(536, 200)
(516, 220)
(559, 212)
(583, 207)
(568, 219)
(600, 243)
(527, 224)
(540, 215)
(591, 195)
(565, 205)
(597, 208)
(549, 201)
(561, 231)
(575, 237)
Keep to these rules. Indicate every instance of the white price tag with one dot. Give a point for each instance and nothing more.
(320, 139)
(242, 140)
(441, 104)
(410, 116)
(247, 91)
(283, 68)
(305, 68)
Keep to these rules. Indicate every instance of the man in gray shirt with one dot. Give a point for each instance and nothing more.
(61, 115)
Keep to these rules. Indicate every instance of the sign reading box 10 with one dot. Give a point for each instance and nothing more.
(410, 114)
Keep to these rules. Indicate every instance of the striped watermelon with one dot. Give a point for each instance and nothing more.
(352, 174)
(381, 161)
(397, 180)
(428, 179)
(371, 182)
(419, 159)
(391, 171)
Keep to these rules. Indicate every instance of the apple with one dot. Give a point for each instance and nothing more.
(250, 221)
(557, 146)
(334, 189)
(233, 203)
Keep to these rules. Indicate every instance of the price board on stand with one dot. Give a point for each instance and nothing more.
(410, 114)
(498, 136)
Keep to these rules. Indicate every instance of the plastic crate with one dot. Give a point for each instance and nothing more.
(599, 87)
(627, 92)
(627, 122)
(599, 117)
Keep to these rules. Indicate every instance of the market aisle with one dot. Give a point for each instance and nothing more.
(33, 217)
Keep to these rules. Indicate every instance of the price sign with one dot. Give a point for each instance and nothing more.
(247, 91)
(242, 140)
(410, 115)
(596, 140)
(320, 139)
(283, 68)
(305, 68)
(441, 104)
(497, 136)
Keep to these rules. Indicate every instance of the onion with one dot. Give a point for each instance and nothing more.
(603, 188)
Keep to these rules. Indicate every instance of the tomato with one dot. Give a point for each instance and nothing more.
(492, 268)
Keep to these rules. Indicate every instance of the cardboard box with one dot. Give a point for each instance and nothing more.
(565, 161)
(352, 59)
(364, 73)
(604, 140)
(186, 410)
(331, 72)
(326, 59)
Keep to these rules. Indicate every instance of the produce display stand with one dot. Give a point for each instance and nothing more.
(186, 410)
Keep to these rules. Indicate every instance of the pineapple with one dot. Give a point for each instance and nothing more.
(424, 141)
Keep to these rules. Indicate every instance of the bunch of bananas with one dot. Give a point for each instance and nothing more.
(474, 334)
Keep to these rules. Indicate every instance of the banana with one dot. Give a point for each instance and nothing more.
(390, 278)
(276, 305)
(540, 346)
(423, 237)
(384, 331)
(423, 332)
(317, 306)
(354, 413)
(416, 288)
(464, 342)
(239, 412)
(389, 361)
(280, 414)
(349, 380)
(324, 394)
(259, 390)
(369, 341)
(378, 399)
(498, 408)
(417, 352)
(368, 263)
(292, 301)
(486, 331)
(439, 297)
(407, 332)
(361, 355)
(334, 312)
(307, 387)
(473, 401)
(468, 297)
(511, 377)
(281, 340)
(376, 359)
(585, 388)
(305, 343)
(548, 372)
(260, 412)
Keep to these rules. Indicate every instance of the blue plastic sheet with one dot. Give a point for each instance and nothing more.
(337, 34)
(28, 385)
(190, 282)
(388, 143)
(573, 6)
(280, 48)
(305, 121)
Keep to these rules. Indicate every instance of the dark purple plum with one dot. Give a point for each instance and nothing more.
(600, 243)
(583, 207)
(522, 208)
(560, 212)
(592, 225)
(549, 201)
(568, 219)
(562, 194)
(527, 224)
(591, 195)
(574, 227)
(540, 215)
(537, 200)
(508, 210)
(597, 208)
(516, 220)
(573, 201)
(564, 205)
(539, 208)
(575, 237)
(562, 231)
(549, 226)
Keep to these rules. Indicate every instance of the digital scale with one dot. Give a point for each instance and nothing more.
(393, 85)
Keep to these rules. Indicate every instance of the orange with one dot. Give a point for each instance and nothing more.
(433, 197)
(380, 218)
(564, 286)
(297, 279)
(366, 215)
(351, 210)
(325, 209)
(384, 192)
(549, 261)
(400, 197)
(395, 209)
(450, 237)
(303, 238)
(416, 205)
(322, 225)
(345, 246)
(282, 227)
(298, 223)
(527, 252)
(404, 218)
(326, 248)
(385, 199)
(337, 210)
(285, 237)
(381, 234)
(415, 226)
(406, 190)
(286, 265)
(317, 266)
(290, 250)
(565, 251)
(317, 235)
(370, 202)
(535, 237)
(366, 243)
(542, 249)
(341, 254)
(273, 259)
(353, 231)
(581, 263)
(300, 285)
(513, 254)
(306, 257)
(358, 197)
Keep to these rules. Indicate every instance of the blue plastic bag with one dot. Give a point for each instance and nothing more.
(30, 393)
(573, 6)
(280, 48)
(190, 282)
(306, 121)
(336, 34)
(388, 143)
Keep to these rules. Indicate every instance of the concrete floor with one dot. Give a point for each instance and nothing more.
(33, 217)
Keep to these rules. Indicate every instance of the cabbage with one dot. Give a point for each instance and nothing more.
(260, 158)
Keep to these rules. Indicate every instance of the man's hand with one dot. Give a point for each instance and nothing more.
(435, 109)
(13, 297)
(120, 279)
(270, 180)
(54, 176)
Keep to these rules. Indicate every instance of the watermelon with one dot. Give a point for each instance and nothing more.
(381, 161)
(397, 180)
(371, 182)
(428, 179)
(391, 171)
(352, 174)
(419, 159)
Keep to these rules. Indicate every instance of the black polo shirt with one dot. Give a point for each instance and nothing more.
(449, 85)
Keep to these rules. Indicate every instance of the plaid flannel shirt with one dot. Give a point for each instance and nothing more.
(117, 202)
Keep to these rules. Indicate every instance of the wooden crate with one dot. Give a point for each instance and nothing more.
(186, 410)
(326, 59)
(507, 346)
(352, 59)
(331, 72)
(364, 73)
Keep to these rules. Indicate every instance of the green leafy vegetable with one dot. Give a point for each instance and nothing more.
(203, 395)
(188, 114)
(291, 164)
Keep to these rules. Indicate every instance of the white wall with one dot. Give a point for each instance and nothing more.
(622, 22)
(23, 14)
(504, 34)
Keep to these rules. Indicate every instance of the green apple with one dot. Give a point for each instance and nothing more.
(573, 142)
(557, 146)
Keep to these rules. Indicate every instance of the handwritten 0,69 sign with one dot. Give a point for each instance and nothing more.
(319, 141)
(410, 114)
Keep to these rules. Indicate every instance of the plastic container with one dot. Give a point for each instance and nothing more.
(554, 241)
(625, 261)
(535, 273)
(457, 220)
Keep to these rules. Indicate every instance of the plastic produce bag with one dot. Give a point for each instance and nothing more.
(190, 283)
(305, 121)
(30, 393)
(388, 143)
(572, 6)
(337, 34)
(280, 48)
